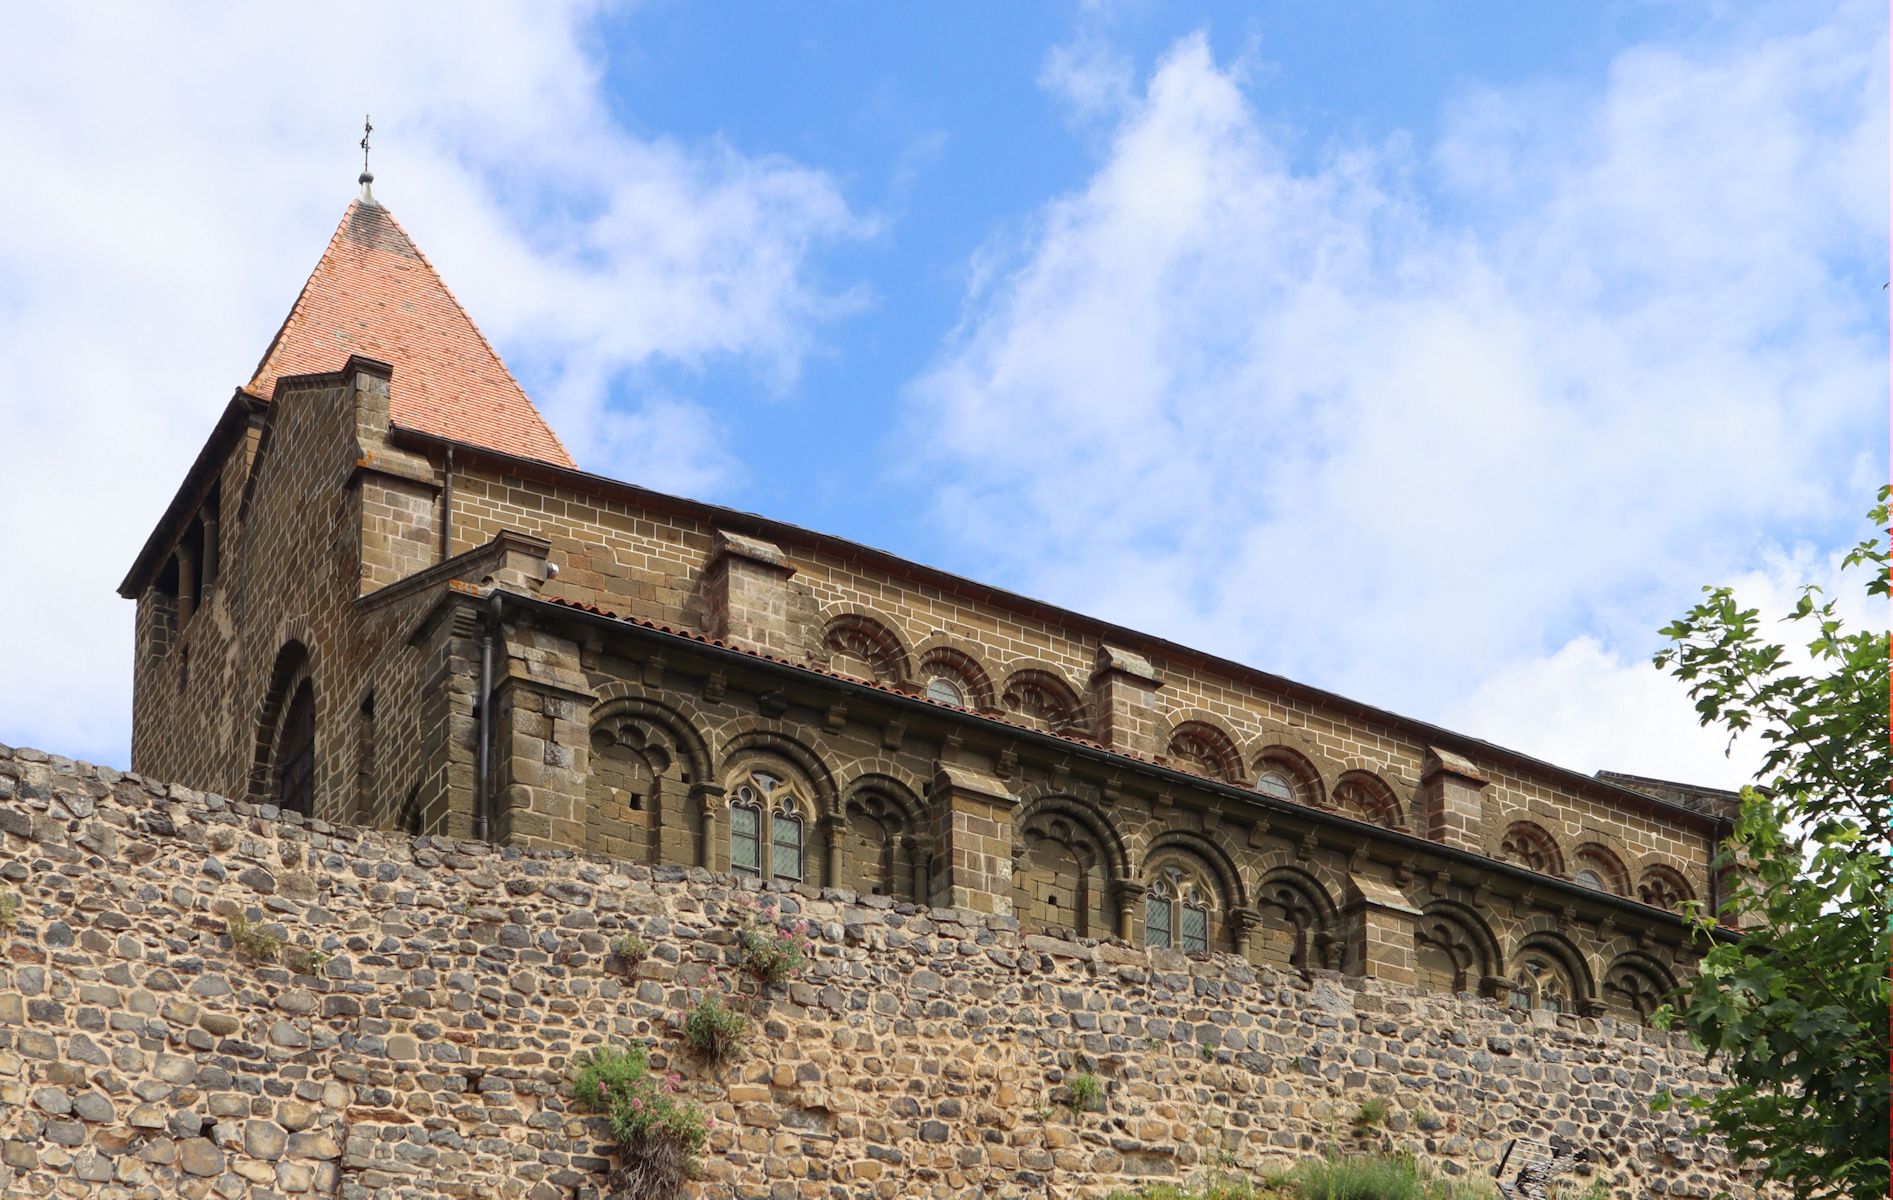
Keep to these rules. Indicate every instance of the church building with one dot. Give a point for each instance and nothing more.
(386, 595)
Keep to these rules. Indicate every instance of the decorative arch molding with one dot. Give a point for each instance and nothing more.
(1070, 869)
(940, 655)
(1528, 844)
(294, 667)
(768, 739)
(1367, 796)
(879, 846)
(1297, 927)
(1454, 948)
(870, 637)
(1595, 859)
(1219, 864)
(1040, 694)
(1634, 984)
(625, 711)
(1204, 745)
(1661, 884)
(1540, 938)
(1092, 817)
(1310, 774)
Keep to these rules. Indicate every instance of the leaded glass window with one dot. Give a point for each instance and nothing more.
(1276, 784)
(785, 830)
(1158, 912)
(745, 835)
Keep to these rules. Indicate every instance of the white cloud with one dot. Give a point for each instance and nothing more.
(178, 169)
(1403, 425)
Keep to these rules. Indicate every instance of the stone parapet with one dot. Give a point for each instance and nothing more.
(416, 1034)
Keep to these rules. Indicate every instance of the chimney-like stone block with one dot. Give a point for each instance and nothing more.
(1379, 924)
(746, 594)
(1125, 715)
(972, 812)
(541, 741)
(1452, 801)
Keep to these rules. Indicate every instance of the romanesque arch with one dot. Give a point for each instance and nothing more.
(1531, 846)
(1286, 773)
(1207, 749)
(1040, 696)
(860, 643)
(1547, 972)
(879, 849)
(646, 758)
(1595, 865)
(1367, 797)
(1663, 886)
(1066, 858)
(950, 673)
(1635, 985)
(1454, 949)
(283, 763)
(1298, 928)
(1192, 892)
(776, 793)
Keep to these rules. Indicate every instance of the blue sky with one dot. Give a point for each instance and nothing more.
(1433, 353)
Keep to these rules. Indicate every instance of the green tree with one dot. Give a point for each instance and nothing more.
(1794, 1004)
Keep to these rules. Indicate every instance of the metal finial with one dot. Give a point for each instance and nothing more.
(367, 176)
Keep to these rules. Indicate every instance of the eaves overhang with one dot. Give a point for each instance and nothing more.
(204, 471)
(1113, 760)
(767, 528)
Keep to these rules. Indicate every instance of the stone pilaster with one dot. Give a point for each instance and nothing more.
(973, 824)
(1379, 926)
(746, 590)
(1452, 804)
(541, 741)
(1129, 895)
(1124, 702)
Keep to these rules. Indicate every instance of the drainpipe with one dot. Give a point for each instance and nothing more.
(447, 510)
(483, 781)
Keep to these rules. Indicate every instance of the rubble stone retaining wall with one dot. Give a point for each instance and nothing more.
(415, 1039)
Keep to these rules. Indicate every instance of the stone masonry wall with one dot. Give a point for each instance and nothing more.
(922, 1054)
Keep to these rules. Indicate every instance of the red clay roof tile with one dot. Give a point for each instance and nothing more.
(375, 294)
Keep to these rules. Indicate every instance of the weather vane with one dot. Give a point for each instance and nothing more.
(367, 176)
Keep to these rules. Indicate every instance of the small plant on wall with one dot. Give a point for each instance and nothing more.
(773, 954)
(251, 940)
(630, 950)
(658, 1133)
(9, 911)
(1083, 1092)
(715, 1030)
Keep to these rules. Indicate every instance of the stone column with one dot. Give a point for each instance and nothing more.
(746, 589)
(1452, 805)
(1129, 894)
(212, 548)
(972, 811)
(1243, 923)
(186, 582)
(1379, 924)
(1124, 702)
(712, 809)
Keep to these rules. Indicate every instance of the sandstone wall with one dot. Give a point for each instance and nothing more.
(923, 1054)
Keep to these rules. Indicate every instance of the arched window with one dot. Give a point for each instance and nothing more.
(764, 812)
(1590, 879)
(945, 691)
(1664, 887)
(1176, 911)
(295, 754)
(1275, 783)
(1540, 982)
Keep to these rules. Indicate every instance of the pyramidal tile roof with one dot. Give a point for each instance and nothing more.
(375, 294)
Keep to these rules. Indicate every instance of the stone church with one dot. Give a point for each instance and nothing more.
(386, 595)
